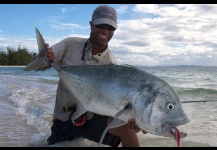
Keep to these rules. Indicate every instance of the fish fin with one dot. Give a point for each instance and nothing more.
(41, 43)
(40, 60)
(115, 122)
(80, 110)
(36, 64)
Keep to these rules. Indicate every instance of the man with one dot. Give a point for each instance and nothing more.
(82, 51)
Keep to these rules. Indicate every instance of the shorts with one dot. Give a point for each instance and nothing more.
(91, 130)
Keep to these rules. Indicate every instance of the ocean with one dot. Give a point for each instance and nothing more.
(27, 102)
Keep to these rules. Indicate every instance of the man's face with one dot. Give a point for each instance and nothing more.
(101, 34)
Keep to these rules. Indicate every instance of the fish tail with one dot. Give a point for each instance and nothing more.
(40, 60)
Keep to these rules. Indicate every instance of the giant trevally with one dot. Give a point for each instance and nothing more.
(122, 92)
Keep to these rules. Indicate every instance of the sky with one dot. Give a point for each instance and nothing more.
(147, 34)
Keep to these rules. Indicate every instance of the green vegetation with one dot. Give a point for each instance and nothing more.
(15, 57)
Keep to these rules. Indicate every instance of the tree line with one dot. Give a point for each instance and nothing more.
(15, 57)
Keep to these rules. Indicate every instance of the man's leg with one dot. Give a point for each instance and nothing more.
(64, 131)
(128, 136)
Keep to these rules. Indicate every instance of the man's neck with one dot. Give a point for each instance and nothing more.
(98, 48)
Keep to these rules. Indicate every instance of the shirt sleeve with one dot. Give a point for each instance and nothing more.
(59, 49)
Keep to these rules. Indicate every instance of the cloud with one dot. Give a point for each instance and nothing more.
(68, 9)
(149, 34)
(122, 9)
(63, 10)
(67, 26)
(167, 34)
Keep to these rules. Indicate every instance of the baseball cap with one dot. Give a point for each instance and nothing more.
(105, 14)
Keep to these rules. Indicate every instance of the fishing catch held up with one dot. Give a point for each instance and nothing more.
(122, 92)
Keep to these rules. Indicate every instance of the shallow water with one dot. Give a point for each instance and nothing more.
(27, 101)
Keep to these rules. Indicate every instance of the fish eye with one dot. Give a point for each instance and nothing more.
(170, 106)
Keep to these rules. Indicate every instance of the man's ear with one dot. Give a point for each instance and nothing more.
(91, 25)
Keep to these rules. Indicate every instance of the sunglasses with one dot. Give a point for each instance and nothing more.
(102, 26)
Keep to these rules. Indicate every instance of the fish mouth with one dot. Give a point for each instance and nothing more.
(177, 135)
(174, 129)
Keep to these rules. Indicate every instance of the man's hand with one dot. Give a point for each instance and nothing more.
(132, 125)
(49, 55)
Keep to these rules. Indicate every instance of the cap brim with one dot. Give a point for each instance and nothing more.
(105, 21)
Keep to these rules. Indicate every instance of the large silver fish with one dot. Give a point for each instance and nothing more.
(120, 91)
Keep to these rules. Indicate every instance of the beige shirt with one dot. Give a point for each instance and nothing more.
(69, 52)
